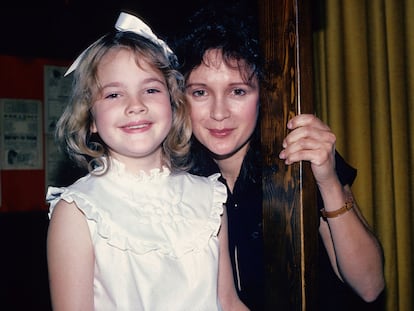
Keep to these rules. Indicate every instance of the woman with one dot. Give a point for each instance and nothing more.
(223, 72)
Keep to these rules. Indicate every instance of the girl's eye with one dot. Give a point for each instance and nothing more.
(112, 95)
(199, 93)
(239, 92)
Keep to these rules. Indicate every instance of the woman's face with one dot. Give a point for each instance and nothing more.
(224, 106)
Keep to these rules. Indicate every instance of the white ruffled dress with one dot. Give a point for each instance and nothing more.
(154, 237)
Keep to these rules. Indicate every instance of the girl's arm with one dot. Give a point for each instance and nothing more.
(228, 297)
(70, 259)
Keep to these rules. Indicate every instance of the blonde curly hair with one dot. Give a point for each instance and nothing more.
(73, 130)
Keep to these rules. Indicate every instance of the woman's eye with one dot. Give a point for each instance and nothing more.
(239, 92)
(152, 91)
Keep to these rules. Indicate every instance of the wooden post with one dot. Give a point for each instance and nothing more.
(290, 216)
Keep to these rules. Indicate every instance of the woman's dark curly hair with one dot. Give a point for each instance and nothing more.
(226, 28)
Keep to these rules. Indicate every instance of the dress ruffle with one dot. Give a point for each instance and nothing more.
(160, 216)
(219, 199)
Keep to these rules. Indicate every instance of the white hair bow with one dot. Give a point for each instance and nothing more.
(128, 22)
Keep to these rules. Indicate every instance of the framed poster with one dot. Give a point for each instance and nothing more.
(21, 141)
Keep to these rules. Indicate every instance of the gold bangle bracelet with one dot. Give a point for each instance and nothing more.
(347, 207)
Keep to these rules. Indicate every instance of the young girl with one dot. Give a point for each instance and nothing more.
(137, 232)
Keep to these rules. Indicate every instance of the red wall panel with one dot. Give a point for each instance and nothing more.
(22, 78)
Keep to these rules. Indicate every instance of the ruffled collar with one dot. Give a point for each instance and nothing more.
(118, 169)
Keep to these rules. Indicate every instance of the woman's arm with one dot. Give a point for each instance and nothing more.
(228, 297)
(70, 259)
(355, 253)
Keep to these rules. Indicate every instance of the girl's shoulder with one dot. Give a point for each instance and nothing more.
(196, 177)
(203, 193)
(197, 182)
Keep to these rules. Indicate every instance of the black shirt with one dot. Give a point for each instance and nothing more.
(244, 209)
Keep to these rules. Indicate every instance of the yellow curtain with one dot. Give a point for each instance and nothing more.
(364, 67)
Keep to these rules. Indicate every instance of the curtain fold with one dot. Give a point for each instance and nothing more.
(364, 67)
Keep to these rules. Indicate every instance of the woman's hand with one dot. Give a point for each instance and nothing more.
(311, 140)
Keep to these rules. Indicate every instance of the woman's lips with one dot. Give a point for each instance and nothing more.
(220, 132)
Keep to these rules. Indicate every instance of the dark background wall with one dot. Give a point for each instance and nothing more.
(63, 28)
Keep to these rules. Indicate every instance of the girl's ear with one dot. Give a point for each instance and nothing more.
(93, 127)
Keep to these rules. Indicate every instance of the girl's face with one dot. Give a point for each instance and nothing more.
(132, 112)
(224, 107)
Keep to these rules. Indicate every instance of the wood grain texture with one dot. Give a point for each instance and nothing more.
(289, 202)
